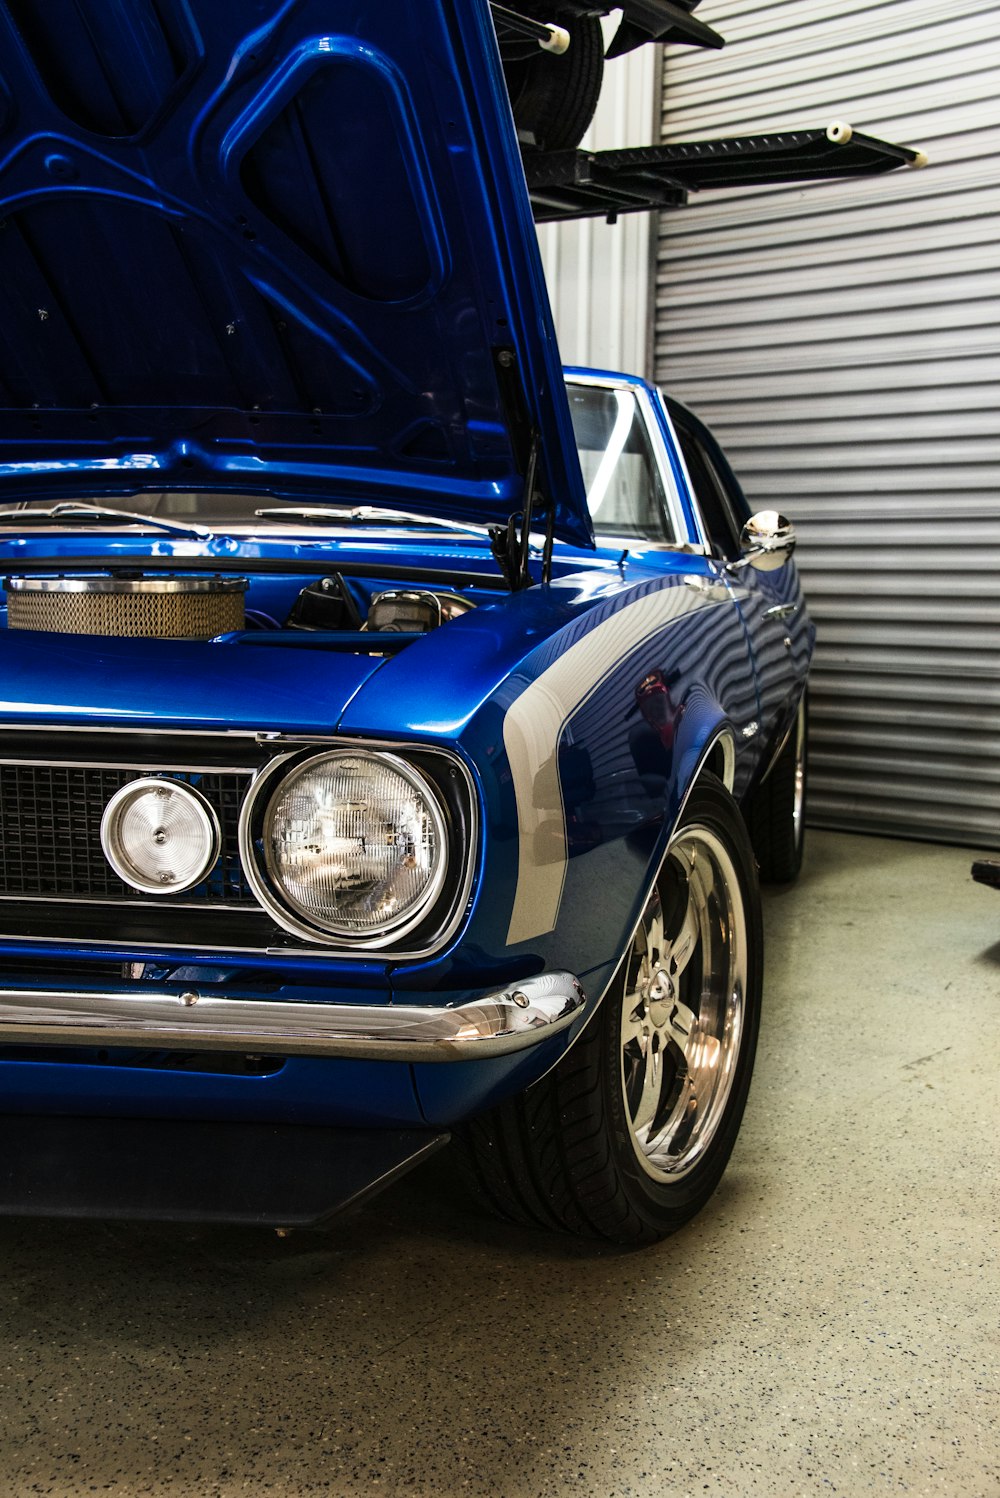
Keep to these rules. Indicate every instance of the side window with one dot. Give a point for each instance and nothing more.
(722, 506)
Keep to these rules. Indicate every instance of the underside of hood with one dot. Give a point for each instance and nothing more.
(272, 245)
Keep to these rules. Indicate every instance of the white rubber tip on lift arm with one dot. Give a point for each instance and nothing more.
(839, 133)
(558, 42)
(920, 159)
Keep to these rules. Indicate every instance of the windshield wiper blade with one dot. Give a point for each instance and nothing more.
(369, 514)
(69, 510)
(373, 514)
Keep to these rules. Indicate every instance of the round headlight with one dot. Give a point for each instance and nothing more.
(159, 836)
(356, 843)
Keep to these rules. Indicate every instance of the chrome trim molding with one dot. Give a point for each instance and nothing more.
(146, 730)
(511, 1019)
(123, 764)
(122, 585)
(704, 538)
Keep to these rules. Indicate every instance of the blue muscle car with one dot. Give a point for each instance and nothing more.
(391, 722)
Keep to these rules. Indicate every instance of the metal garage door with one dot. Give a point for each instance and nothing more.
(843, 341)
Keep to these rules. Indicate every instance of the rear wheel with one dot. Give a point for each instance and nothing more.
(777, 812)
(629, 1135)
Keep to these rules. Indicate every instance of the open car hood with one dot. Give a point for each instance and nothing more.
(271, 246)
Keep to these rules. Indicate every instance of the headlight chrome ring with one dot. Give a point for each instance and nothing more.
(351, 846)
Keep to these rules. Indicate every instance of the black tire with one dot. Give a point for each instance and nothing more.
(777, 812)
(554, 97)
(573, 1152)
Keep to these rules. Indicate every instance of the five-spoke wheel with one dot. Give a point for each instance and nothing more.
(683, 1005)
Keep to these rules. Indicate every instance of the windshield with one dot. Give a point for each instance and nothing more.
(624, 489)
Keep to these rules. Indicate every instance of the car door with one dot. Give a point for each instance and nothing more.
(770, 602)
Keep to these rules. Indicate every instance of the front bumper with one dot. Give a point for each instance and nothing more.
(494, 1024)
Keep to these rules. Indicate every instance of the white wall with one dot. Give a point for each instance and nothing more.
(599, 274)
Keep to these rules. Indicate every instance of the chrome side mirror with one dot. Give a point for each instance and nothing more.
(766, 542)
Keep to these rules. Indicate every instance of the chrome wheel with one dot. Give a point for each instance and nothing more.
(683, 1006)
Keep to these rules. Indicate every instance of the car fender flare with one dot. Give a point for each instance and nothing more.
(713, 752)
(717, 756)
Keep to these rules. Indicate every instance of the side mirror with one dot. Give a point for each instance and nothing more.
(767, 541)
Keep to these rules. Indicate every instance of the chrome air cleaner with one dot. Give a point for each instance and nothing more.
(164, 608)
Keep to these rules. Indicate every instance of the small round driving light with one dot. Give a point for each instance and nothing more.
(356, 843)
(160, 836)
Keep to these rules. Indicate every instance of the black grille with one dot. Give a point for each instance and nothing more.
(50, 833)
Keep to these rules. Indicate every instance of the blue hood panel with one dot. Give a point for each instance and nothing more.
(271, 246)
(100, 682)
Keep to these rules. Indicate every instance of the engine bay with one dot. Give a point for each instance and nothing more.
(151, 605)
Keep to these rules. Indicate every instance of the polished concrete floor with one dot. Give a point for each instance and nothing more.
(829, 1325)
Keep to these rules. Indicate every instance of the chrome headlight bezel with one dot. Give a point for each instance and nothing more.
(436, 775)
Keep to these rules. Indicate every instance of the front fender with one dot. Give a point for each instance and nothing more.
(584, 751)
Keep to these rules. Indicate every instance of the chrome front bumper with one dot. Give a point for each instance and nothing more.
(493, 1025)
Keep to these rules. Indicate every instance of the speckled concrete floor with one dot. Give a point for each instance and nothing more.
(828, 1325)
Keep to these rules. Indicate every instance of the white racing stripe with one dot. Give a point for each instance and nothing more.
(534, 726)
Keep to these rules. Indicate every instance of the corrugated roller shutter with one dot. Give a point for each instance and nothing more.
(842, 339)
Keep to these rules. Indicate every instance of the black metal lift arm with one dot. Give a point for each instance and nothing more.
(590, 184)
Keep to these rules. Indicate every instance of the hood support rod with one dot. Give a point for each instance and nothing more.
(511, 549)
(549, 37)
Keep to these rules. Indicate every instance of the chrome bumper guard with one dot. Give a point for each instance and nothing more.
(493, 1025)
